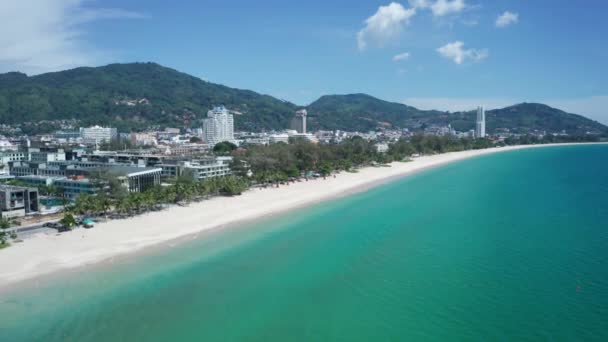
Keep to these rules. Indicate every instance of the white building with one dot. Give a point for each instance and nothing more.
(143, 139)
(199, 168)
(218, 126)
(6, 145)
(277, 138)
(257, 141)
(296, 135)
(98, 134)
(47, 156)
(381, 147)
(480, 126)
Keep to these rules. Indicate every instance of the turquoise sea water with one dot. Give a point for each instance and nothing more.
(506, 247)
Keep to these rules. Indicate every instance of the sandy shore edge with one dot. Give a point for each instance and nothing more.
(44, 254)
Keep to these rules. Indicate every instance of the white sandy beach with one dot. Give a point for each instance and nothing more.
(47, 253)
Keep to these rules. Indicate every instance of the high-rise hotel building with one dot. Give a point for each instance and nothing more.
(218, 126)
(480, 126)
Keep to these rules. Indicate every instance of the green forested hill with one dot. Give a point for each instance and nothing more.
(141, 95)
(133, 95)
(364, 112)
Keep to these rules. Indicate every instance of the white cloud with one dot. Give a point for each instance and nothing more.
(385, 25)
(47, 35)
(456, 52)
(507, 19)
(593, 107)
(420, 3)
(401, 57)
(444, 7)
(470, 22)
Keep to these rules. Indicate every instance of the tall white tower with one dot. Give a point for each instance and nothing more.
(480, 126)
(218, 126)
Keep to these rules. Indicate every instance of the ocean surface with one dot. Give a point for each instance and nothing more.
(505, 247)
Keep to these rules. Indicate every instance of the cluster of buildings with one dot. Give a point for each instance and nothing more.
(297, 130)
(94, 135)
(76, 171)
(69, 160)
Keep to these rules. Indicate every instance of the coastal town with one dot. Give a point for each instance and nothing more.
(50, 180)
(416, 170)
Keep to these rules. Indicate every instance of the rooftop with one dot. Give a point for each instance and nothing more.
(5, 187)
(131, 170)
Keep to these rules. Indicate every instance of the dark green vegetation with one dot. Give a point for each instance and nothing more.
(113, 198)
(68, 221)
(224, 148)
(142, 95)
(132, 96)
(363, 112)
(279, 162)
(4, 224)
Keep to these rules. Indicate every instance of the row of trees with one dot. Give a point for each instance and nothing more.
(552, 139)
(183, 190)
(429, 144)
(278, 162)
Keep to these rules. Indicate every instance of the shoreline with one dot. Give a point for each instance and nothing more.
(44, 254)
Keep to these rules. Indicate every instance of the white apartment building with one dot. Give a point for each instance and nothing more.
(480, 126)
(277, 138)
(142, 139)
(98, 134)
(296, 135)
(199, 169)
(10, 156)
(218, 126)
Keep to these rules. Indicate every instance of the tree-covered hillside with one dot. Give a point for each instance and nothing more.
(363, 112)
(134, 95)
(141, 95)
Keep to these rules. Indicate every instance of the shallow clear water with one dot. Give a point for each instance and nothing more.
(512, 246)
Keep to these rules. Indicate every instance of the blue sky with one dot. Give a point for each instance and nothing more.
(442, 54)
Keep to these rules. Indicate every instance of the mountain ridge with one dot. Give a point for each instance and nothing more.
(135, 96)
(520, 118)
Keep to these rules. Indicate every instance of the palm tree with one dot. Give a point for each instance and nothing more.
(68, 221)
(123, 205)
(148, 200)
(5, 223)
(104, 203)
(136, 201)
(3, 241)
(157, 196)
